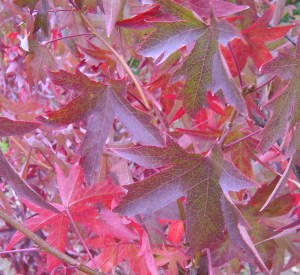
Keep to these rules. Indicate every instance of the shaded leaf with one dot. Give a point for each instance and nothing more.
(284, 104)
(239, 234)
(112, 10)
(220, 8)
(38, 61)
(20, 186)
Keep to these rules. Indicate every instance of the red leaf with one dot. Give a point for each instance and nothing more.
(253, 45)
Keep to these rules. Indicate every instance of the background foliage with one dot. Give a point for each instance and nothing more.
(149, 137)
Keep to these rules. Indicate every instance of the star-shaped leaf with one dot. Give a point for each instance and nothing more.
(203, 69)
(201, 179)
(102, 103)
(79, 202)
(254, 42)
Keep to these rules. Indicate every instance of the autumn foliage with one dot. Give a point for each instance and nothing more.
(149, 137)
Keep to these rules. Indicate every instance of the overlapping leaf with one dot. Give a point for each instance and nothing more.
(78, 201)
(220, 8)
(239, 234)
(285, 104)
(254, 42)
(203, 69)
(202, 179)
(11, 127)
(103, 103)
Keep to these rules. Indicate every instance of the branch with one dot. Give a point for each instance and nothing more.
(44, 245)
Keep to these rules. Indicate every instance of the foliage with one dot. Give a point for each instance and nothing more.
(149, 137)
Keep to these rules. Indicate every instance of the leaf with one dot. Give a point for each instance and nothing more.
(140, 21)
(30, 3)
(112, 10)
(171, 36)
(81, 106)
(241, 153)
(38, 60)
(203, 69)
(41, 20)
(147, 252)
(284, 104)
(10, 127)
(220, 8)
(253, 43)
(79, 202)
(102, 103)
(200, 178)
(239, 235)
(170, 257)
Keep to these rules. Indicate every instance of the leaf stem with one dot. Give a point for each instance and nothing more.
(117, 55)
(26, 153)
(245, 91)
(241, 139)
(80, 237)
(44, 245)
(19, 250)
(181, 212)
(236, 65)
(67, 37)
(264, 84)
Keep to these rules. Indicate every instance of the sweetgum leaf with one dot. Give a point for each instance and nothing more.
(200, 178)
(80, 202)
(220, 8)
(102, 103)
(10, 127)
(239, 235)
(20, 186)
(285, 104)
(254, 42)
(171, 36)
(203, 69)
(112, 10)
(38, 61)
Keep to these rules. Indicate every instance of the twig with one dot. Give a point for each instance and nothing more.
(67, 37)
(236, 65)
(80, 237)
(44, 245)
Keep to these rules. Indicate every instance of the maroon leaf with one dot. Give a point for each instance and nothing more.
(20, 186)
(102, 103)
(239, 234)
(201, 179)
(10, 127)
